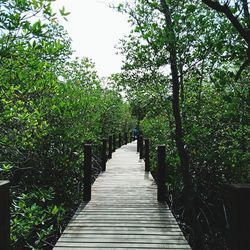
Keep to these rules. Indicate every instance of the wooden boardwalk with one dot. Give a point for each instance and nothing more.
(124, 212)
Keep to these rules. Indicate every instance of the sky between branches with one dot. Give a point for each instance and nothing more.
(95, 29)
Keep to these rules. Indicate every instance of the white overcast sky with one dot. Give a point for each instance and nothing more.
(95, 29)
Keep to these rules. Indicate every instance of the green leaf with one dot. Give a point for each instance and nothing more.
(55, 210)
(191, 8)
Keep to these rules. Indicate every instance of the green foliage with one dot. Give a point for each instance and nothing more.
(36, 218)
(49, 107)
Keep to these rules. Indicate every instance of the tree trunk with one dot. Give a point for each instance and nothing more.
(246, 13)
(188, 192)
(183, 155)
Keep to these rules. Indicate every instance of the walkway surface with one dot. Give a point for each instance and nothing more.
(124, 212)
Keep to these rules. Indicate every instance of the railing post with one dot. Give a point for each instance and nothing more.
(114, 142)
(120, 140)
(238, 204)
(87, 178)
(161, 173)
(141, 146)
(130, 136)
(147, 167)
(126, 137)
(110, 146)
(104, 154)
(5, 215)
(138, 144)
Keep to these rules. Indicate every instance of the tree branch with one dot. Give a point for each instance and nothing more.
(154, 6)
(245, 34)
(246, 12)
(242, 67)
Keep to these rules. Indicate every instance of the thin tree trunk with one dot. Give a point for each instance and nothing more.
(181, 84)
(246, 12)
(188, 192)
(184, 158)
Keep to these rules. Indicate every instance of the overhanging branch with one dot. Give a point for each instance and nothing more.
(242, 67)
(245, 34)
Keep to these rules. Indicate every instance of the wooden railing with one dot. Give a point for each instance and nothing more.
(237, 197)
(107, 147)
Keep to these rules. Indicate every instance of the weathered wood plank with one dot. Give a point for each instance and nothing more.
(122, 239)
(124, 212)
(120, 230)
(125, 216)
(123, 245)
(116, 238)
(173, 247)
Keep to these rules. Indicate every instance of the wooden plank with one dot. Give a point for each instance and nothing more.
(120, 230)
(127, 236)
(124, 238)
(123, 245)
(118, 216)
(117, 231)
(124, 212)
(116, 248)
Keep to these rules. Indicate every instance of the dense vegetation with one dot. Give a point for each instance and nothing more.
(186, 80)
(186, 75)
(50, 105)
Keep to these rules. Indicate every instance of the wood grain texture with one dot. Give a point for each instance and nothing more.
(124, 212)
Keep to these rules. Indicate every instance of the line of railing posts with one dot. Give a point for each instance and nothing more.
(107, 144)
(144, 151)
(237, 197)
